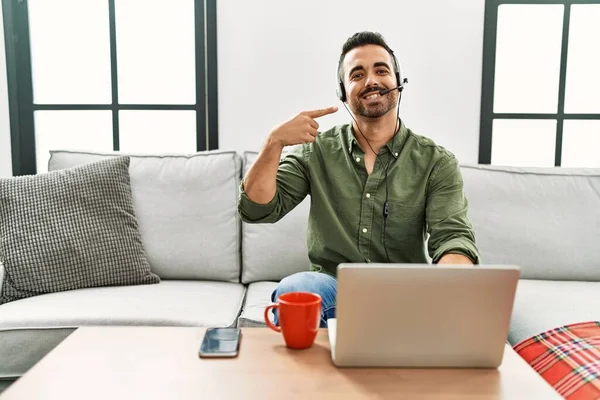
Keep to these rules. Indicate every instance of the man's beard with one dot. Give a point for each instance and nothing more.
(386, 103)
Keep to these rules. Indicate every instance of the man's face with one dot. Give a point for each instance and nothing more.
(367, 70)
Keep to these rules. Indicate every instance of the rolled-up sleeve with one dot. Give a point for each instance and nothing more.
(293, 185)
(447, 222)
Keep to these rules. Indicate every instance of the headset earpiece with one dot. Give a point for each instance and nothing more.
(341, 91)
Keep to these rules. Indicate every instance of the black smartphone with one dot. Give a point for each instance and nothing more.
(220, 342)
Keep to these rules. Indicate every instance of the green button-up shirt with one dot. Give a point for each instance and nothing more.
(423, 186)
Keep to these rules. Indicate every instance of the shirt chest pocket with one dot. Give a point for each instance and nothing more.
(405, 225)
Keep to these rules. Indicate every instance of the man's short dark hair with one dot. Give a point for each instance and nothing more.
(360, 39)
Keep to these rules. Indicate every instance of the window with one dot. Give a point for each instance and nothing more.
(101, 75)
(540, 103)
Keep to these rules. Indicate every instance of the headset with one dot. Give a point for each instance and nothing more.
(400, 80)
(341, 94)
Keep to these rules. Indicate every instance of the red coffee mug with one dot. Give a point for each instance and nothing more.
(299, 318)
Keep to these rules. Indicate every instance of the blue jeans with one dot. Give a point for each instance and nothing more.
(315, 282)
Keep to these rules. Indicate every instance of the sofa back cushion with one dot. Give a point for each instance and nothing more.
(546, 220)
(186, 206)
(270, 252)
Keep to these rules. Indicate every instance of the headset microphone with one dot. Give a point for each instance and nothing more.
(386, 91)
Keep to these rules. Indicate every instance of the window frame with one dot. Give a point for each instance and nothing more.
(20, 88)
(488, 74)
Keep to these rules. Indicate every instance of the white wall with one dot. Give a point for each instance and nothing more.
(277, 58)
(5, 152)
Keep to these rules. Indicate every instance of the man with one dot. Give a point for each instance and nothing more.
(376, 187)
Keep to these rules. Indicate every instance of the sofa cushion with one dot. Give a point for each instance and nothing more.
(274, 251)
(70, 229)
(186, 207)
(545, 220)
(30, 328)
(258, 297)
(543, 305)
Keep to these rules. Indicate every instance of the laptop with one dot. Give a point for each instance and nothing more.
(422, 316)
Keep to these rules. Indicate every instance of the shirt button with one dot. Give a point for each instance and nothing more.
(364, 230)
(357, 159)
(396, 154)
(368, 195)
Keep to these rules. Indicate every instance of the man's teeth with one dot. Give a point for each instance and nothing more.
(371, 96)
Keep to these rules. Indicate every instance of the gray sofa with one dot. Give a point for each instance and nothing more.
(217, 271)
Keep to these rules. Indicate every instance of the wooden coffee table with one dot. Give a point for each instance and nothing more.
(163, 363)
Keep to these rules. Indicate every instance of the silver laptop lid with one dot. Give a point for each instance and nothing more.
(410, 315)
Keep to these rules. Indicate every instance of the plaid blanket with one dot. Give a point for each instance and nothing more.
(568, 358)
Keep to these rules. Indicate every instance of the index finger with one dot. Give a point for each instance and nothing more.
(320, 112)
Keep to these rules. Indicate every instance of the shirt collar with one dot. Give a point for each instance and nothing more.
(394, 145)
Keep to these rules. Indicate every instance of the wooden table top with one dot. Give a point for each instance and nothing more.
(163, 363)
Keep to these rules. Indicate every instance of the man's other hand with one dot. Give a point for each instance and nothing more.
(451, 258)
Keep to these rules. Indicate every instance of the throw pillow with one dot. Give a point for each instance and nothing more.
(70, 229)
